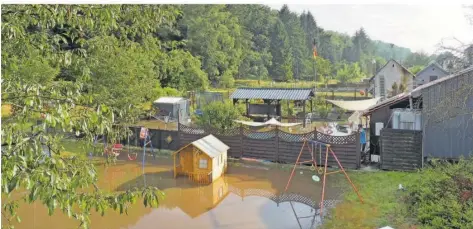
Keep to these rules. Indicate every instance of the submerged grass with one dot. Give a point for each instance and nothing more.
(383, 203)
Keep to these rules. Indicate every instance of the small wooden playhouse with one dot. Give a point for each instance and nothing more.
(202, 161)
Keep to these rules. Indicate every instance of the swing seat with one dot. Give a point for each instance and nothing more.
(117, 146)
(132, 157)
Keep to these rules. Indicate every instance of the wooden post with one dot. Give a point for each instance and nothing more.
(247, 108)
(333, 94)
(268, 109)
(288, 104)
(311, 106)
(303, 112)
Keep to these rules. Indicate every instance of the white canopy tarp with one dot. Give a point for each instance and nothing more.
(355, 105)
(272, 122)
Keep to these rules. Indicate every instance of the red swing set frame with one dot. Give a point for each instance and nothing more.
(325, 173)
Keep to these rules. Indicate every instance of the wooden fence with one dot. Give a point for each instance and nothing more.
(277, 145)
(271, 145)
(401, 149)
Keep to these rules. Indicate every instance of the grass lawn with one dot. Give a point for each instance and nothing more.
(157, 124)
(383, 202)
(73, 148)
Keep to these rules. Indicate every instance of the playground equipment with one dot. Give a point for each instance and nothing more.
(144, 135)
(131, 156)
(319, 169)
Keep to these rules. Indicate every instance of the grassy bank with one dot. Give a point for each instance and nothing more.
(383, 202)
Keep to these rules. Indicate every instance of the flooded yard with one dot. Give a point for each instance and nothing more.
(246, 197)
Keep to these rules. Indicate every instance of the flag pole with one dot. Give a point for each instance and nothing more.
(314, 56)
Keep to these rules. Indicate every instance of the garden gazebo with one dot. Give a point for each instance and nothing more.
(272, 99)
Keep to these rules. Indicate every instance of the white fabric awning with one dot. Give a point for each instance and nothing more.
(354, 105)
(272, 122)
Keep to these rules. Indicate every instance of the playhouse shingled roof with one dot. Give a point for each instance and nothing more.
(211, 146)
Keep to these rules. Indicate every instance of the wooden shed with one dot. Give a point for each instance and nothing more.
(202, 161)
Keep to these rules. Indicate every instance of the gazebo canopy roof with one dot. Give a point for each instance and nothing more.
(273, 93)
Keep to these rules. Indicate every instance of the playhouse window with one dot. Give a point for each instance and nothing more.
(202, 163)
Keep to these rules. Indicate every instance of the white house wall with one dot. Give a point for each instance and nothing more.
(392, 73)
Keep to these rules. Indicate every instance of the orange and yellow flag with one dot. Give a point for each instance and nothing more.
(314, 49)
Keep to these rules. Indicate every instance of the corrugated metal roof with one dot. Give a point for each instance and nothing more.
(273, 93)
(211, 146)
(168, 100)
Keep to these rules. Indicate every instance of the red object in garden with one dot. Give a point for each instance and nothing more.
(117, 146)
(362, 92)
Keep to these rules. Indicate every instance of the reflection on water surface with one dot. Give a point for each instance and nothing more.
(244, 198)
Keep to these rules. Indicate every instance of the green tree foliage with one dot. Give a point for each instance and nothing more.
(45, 177)
(442, 197)
(309, 26)
(220, 115)
(390, 51)
(179, 69)
(72, 64)
(324, 70)
(215, 35)
(416, 69)
(119, 76)
(343, 73)
(296, 39)
(256, 21)
(281, 52)
(417, 58)
(349, 72)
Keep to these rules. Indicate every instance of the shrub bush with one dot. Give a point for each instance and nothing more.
(220, 115)
(443, 195)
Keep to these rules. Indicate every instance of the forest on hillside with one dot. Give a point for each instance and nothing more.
(182, 47)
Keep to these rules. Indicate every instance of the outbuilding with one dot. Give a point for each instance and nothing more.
(176, 108)
(203, 160)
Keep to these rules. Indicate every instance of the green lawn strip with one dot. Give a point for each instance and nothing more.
(383, 202)
(78, 148)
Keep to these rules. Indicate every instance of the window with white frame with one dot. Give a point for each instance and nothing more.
(202, 163)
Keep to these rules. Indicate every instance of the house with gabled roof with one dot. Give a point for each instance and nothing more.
(381, 84)
(432, 72)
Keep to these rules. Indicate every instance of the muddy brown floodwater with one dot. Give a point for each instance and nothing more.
(246, 197)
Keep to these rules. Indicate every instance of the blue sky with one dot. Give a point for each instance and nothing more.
(418, 27)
